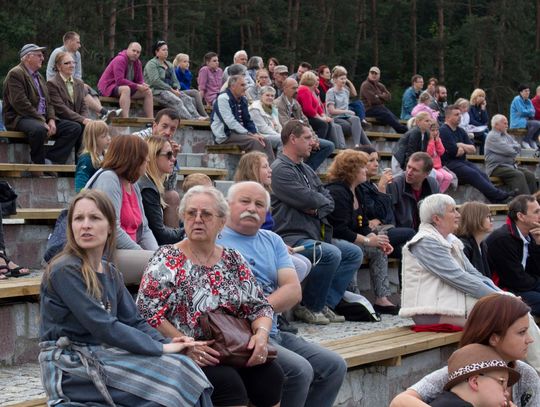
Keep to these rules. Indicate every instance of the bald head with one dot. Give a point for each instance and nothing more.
(290, 88)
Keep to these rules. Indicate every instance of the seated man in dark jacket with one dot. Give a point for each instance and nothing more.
(514, 251)
(411, 187)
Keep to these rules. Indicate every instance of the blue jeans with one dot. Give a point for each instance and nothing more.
(328, 280)
(313, 374)
(358, 108)
(316, 158)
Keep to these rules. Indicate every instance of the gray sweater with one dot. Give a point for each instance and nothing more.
(109, 183)
(501, 150)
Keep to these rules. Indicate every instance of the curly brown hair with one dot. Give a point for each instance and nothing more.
(346, 165)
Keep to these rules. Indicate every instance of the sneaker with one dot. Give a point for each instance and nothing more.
(286, 326)
(306, 315)
(331, 315)
(106, 117)
(526, 145)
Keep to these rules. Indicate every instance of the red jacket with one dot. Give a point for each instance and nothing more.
(311, 105)
(536, 103)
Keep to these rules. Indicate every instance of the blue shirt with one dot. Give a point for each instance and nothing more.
(265, 253)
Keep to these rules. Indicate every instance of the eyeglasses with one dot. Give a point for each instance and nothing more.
(490, 218)
(501, 380)
(205, 215)
(168, 154)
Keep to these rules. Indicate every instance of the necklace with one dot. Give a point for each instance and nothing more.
(199, 261)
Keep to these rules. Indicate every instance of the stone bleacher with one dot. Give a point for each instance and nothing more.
(387, 354)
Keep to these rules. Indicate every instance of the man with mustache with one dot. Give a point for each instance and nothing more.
(314, 374)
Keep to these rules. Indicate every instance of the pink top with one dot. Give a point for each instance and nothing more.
(311, 105)
(130, 213)
(116, 73)
(435, 149)
(209, 82)
(420, 107)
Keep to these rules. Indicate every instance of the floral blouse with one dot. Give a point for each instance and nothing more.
(175, 289)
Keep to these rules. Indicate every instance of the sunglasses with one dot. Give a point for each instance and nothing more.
(168, 154)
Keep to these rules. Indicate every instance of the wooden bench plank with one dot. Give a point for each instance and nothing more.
(224, 149)
(19, 287)
(387, 136)
(39, 213)
(18, 135)
(41, 402)
(64, 168)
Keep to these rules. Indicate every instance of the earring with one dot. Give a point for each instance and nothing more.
(219, 235)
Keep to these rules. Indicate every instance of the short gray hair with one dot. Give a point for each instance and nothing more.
(238, 53)
(435, 204)
(267, 89)
(231, 193)
(219, 200)
(496, 119)
(233, 79)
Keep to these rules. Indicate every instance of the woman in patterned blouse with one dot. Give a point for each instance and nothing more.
(196, 276)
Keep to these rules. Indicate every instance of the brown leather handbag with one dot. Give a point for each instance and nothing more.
(231, 335)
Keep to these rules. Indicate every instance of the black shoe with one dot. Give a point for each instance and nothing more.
(386, 309)
(285, 326)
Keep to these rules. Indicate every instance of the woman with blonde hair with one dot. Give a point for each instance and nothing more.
(96, 140)
(160, 165)
(351, 224)
(475, 224)
(184, 76)
(95, 347)
(478, 116)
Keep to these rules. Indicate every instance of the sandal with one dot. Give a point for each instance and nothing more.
(13, 272)
(3, 274)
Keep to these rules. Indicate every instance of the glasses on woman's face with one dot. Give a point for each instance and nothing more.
(206, 216)
(168, 154)
(490, 217)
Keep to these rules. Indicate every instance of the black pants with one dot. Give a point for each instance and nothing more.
(261, 384)
(385, 116)
(68, 136)
(320, 127)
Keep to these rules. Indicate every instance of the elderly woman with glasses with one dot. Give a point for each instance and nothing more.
(160, 164)
(195, 276)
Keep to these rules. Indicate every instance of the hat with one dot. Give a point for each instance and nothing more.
(281, 69)
(475, 359)
(375, 69)
(30, 48)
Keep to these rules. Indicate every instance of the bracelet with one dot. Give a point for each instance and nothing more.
(366, 240)
(263, 328)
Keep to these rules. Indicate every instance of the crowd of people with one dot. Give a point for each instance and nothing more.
(281, 239)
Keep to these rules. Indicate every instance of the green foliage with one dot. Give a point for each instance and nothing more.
(490, 41)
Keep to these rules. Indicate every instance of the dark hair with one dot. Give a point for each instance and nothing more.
(305, 65)
(69, 36)
(425, 158)
(125, 156)
(492, 314)
(169, 112)
(294, 127)
(367, 149)
(415, 78)
(158, 45)
(522, 87)
(274, 60)
(433, 80)
(519, 205)
(208, 56)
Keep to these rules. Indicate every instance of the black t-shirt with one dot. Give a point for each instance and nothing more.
(449, 399)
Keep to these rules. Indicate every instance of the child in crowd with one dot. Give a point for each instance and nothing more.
(181, 69)
(435, 149)
(96, 140)
(477, 376)
(196, 179)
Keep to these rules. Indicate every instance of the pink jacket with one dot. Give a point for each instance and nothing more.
(420, 107)
(116, 72)
(435, 150)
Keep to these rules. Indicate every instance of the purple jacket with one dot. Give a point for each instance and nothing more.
(116, 72)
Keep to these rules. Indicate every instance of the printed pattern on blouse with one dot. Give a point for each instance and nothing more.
(176, 290)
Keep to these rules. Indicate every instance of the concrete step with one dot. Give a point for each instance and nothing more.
(43, 192)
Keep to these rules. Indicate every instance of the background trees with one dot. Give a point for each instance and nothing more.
(491, 44)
